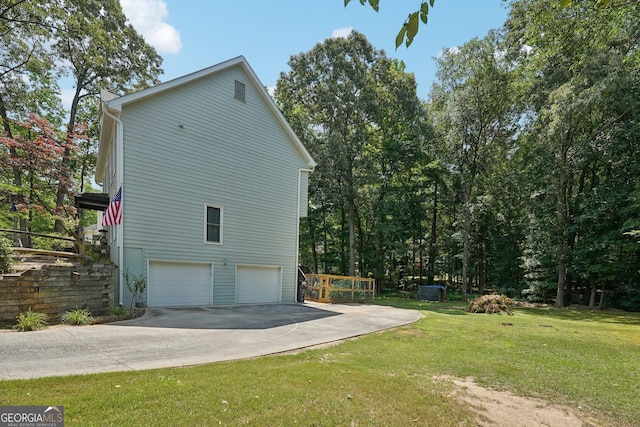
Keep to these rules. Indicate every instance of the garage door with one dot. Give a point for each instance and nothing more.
(179, 284)
(258, 284)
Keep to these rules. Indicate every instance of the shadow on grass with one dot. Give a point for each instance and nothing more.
(603, 316)
(448, 307)
(459, 308)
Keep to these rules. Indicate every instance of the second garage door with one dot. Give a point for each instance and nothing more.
(179, 284)
(258, 284)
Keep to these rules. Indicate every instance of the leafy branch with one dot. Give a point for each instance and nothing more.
(409, 29)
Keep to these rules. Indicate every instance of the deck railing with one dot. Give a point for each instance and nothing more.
(332, 288)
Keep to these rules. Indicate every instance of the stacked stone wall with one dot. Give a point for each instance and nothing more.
(55, 289)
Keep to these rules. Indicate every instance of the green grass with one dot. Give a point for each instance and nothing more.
(589, 360)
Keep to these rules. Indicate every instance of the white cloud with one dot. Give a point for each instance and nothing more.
(272, 91)
(526, 49)
(448, 50)
(341, 33)
(67, 97)
(147, 17)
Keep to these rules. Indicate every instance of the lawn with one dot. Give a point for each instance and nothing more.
(586, 360)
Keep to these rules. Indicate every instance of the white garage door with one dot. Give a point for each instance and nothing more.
(258, 284)
(179, 284)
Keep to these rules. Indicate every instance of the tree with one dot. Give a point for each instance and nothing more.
(576, 65)
(90, 41)
(330, 84)
(358, 113)
(398, 173)
(409, 29)
(102, 51)
(36, 149)
(23, 37)
(473, 111)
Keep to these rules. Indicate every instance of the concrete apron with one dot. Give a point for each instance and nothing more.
(173, 337)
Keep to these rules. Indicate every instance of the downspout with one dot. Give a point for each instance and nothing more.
(300, 171)
(119, 178)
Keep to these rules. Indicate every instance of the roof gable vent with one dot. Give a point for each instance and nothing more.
(239, 91)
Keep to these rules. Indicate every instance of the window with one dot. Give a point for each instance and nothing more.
(213, 224)
(239, 91)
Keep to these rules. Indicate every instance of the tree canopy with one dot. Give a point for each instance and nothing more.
(89, 42)
(411, 25)
(516, 175)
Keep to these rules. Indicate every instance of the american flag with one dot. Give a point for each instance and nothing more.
(113, 215)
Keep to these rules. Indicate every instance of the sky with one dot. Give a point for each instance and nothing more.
(194, 34)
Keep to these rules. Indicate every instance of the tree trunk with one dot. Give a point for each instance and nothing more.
(352, 237)
(18, 240)
(465, 250)
(592, 298)
(344, 262)
(482, 274)
(561, 219)
(325, 239)
(314, 251)
(66, 157)
(432, 244)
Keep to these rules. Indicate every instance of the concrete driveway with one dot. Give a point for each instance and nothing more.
(172, 337)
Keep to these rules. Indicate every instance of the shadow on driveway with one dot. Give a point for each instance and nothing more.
(228, 317)
(172, 337)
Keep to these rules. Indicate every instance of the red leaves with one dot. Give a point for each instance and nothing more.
(37, 150)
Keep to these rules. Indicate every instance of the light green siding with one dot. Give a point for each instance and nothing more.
(195, 145)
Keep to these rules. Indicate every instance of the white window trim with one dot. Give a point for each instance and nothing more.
(206, 242)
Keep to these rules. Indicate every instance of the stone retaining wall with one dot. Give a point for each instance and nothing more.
(55, 289)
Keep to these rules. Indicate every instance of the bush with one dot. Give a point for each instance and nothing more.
(118, 310)
(491, 304)
(6, 263)
(77, 317)
(30, 321)
(540, 291)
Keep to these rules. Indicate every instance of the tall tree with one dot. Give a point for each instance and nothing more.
(570, 59)
(331, 83)
(473, 112)
(99, 49)
(363, 122)
(23, 37)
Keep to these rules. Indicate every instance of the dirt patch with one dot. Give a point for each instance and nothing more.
(504, 409)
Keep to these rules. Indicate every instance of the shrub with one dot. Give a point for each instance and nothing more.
(78, 317)
(491, 304)
(118, 310)
(30, 321)
(540, 291)
(6, 263)
(136, 285)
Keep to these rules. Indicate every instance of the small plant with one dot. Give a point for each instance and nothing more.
(77, 317)
(6, 263)
(136, 285)
(118, 310)
(30, 321)
(491, 304)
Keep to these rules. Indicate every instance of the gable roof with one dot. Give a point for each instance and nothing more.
(112, 106)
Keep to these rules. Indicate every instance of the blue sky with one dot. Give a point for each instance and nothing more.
(194, 34)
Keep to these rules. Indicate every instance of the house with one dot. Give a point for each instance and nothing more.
(214, 183)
